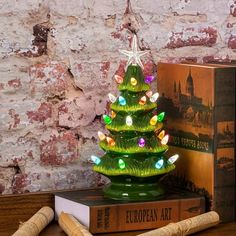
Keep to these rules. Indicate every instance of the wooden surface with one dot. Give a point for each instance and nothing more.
(19, 208)
(228, 229)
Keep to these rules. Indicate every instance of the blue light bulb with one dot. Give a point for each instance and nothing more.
(159, 164)
(122, 101)
(95, 159)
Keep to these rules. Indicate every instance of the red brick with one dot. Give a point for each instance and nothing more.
(105, 66)
(116, 35)
(92, 76)
(63, 108)
(193, 37)
(15, 83)
(215, 59)
(120, 33)
(20, 181)
(229, 25)
(180, 59)
(49, 78)
(59, 149)
(43, 113)
(121, 69)
(1, 86)
(232, 42)
(15, 119)
(233, 9)
(30, 154)
(188, 59)
(149, 68)
(79, 112)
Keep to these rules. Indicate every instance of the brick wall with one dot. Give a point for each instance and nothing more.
(58, 59)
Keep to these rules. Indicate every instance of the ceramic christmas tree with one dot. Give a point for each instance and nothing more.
(135, 148)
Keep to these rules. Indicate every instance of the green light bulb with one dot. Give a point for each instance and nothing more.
(121, 164)
(107, 119)
(161, 116)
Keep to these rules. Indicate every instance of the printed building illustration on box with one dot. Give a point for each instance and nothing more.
(200, 118)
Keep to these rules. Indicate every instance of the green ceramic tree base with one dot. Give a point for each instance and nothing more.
(129, 188)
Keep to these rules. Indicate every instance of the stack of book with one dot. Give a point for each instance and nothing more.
(102, 215)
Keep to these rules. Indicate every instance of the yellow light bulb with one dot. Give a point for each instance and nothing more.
(161, 134)
(153, 120)
(133, 81)
(101, 135)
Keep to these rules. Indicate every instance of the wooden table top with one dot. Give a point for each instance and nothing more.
(16, 208)
(228, 229)
(53, 229)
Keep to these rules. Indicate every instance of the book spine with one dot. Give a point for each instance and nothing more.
(224, 143)
(139, 216)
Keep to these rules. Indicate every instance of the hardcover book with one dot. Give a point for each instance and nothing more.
(102, 215)
(199, 101)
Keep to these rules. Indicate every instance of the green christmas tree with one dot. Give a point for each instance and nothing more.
(134, 157)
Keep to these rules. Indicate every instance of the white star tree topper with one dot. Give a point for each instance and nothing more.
(134, 54)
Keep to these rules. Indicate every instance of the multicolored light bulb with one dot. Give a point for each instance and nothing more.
(154, 97)
(110, 141)
(121, 164)
(129, 120)
(95, 159)
(107, 119)
(173, 158)
(149, 93)
(141, 142)
(142, 100)
(148, 79)
(133, 81)
(165, 140)
(161, 134)
(101, 135)
(161, 116)
(153, 120)
(159, 164)
(118, 79)
(111, 97)
(122, 101)
(113, 114)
